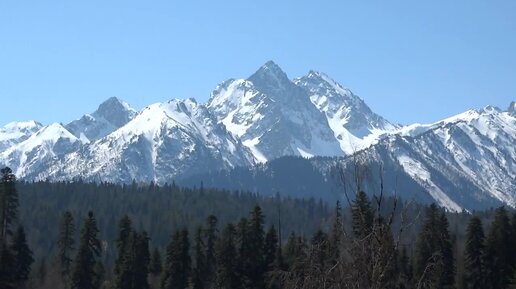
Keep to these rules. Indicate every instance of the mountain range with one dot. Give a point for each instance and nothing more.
(467, 161)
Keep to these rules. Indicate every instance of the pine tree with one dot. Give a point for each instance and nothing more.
(65, 245)
(427, 244)
(256, 266)
(125, 231)
(199, 272)
(273, 259)
(134, 267)
(156, 265)
(7, 266)
(211, 239)
(499, 250)
(8, 203)
(244, 245)
(141, 260)
(447, 279)
(84, 274)
(295, 254)
(22, 256)
(270, 248)
(474, 255)
(337, 234)
(434, 261)
(8, 215)
(320, 251)
(178, 262)
(362, 216)
(226, 271)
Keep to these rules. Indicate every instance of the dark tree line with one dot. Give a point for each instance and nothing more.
(359, 247)
(15, 255)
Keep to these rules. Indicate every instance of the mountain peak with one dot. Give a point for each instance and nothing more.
(490, 109)
(512, 108)
(23, 125)
(112, 114)
(112, 105)
(270, 74)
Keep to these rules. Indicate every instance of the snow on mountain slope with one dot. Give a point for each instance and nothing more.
(110, 115)
(16, 132)
(465, 161)
(272, 116)
(36, 155)
(163, 141)
(353, 123)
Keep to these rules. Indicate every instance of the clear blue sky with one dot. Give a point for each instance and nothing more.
(411, 61)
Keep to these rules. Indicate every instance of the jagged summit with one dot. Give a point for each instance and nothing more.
(16, 132)
(116, 111)
(512, 108)
(270, 77)
(164, 141)
(353, 123)
(273, 116)
(109, 116)
(464, 161)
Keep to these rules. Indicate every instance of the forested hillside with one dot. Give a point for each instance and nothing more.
(81, 235)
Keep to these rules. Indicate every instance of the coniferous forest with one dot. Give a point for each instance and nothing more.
(88, 236)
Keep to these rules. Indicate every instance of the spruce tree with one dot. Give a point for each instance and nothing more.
(141, 260)
(337, 234)
(474, 254)
(211, 239)
(226, 276)
(434, 261)
(8, 203)
(270, 248)
(134, 267)
(447, 279)
(256, 266)
(499, 248)
(362, 215)
(84, 273)
(178, 262)
(7, 266)
(199, 272)
(295, 254)
(22, 256)
(8, 215)
(65, 245)
(244, 245)
(426, 245)
(122, 242)
(320, 251)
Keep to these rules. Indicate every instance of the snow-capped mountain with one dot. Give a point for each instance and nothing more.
(110, 115)
(461, 162)
(38, 155)
(353, 123)
(163, 141)
(465, 161)
(273, 116)
(16, 132)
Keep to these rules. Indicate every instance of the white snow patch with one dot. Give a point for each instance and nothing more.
(418, 172)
